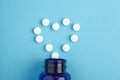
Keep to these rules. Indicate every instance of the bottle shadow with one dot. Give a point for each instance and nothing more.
(35, 70)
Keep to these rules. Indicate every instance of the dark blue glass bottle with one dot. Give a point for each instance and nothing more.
(55, 69)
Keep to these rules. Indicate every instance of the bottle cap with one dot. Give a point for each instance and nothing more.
(55, 66)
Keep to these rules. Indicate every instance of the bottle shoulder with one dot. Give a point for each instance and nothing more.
(64, 76)
(44, 76)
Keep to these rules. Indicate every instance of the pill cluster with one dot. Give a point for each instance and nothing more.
(56, 26)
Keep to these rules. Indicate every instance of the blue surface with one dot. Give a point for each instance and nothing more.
(95, 57)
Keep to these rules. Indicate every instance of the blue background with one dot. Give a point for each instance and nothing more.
(95, 57)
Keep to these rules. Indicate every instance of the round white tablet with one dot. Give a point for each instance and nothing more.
(55, 55)
(74, 38)
(37, 30)
(45, 22)
(76, 27)
(49, 47)
(66, 47)
(55, 26)
(66, 21)
(39, 39)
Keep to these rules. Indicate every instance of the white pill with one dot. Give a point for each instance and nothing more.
(55, 55)
(66, 21)
(37, 30)
(66, 47)
(39, 39)
(49, 47)
(45, 22)
(55, 26)
(74, 38)
(76, 27)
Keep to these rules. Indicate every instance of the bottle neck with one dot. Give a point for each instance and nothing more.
(55, 66)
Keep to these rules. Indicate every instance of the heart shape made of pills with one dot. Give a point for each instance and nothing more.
(55, 27)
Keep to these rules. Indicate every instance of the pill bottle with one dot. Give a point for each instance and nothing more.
(55, 69)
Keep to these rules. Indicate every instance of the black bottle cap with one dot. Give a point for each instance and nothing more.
(55, 66)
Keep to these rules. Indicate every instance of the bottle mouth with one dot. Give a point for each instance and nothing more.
(55, 66)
